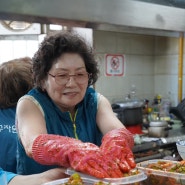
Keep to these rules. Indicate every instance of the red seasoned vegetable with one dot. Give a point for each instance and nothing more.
(168, 166)
(165, 167)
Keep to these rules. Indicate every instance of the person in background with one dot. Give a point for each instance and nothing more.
(34, 179)
(15, 81)
(63, 121)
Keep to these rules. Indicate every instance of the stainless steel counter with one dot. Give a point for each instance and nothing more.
(160, 148)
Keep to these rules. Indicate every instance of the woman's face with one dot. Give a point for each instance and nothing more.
(67, 91)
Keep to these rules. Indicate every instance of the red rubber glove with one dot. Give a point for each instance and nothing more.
(93, 162)
(68, 152)
(48, 149)
(117, 144)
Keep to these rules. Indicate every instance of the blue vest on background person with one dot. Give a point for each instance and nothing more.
(8, 176)
(8, 139)
(60, 123)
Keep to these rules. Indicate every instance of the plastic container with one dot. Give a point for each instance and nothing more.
(130, 180)
(65, 180)
(181, 148)
(159, 177)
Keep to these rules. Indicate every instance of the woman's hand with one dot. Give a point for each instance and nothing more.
(40, 178)
(117, 144)
(93, 162)
(69, 152)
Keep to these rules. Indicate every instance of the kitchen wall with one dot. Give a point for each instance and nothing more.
(166, 67)
(151, 65)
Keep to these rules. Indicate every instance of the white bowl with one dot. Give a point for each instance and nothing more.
(181, 148)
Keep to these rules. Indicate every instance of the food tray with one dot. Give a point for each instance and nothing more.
(160, 177)
(113, 181)
(65, 180)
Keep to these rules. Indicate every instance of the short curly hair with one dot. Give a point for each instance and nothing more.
(55, 45)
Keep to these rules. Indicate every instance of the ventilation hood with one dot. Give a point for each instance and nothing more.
(167, 17)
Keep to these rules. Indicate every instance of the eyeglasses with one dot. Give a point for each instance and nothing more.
(62, 79)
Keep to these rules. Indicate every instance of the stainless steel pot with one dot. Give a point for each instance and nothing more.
(158, 129)
(130, 113)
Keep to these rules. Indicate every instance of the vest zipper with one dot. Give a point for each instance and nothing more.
(74, 124)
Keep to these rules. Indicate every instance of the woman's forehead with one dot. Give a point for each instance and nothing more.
(68, 61)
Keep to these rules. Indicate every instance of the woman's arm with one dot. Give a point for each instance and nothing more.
(106, 119)
(30, 123)
(38, 179)
(117, 141)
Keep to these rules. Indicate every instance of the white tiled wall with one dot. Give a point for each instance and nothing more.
(151, 65)
(166, 67)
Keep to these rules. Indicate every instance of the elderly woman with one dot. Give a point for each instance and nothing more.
(62, 120)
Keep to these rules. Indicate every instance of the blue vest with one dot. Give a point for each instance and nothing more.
(60, 123)
(8, 137)
(8, 176)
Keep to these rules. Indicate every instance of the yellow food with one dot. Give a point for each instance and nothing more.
(75, 179)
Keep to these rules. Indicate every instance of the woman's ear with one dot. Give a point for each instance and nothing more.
(43, 85)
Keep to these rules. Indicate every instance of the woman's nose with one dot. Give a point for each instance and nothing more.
(71, 81)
